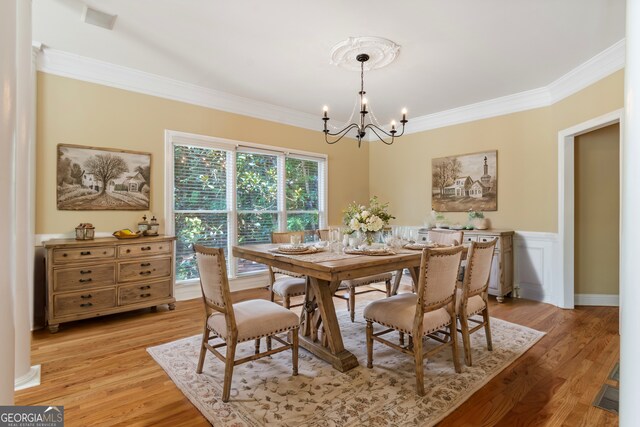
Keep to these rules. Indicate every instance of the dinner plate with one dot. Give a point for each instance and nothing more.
(289, 250)
(420, 246)
(370, 252)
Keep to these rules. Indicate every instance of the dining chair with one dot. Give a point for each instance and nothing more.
(445, 237)
(240, 322)
(347, 289)
(286, 284)
(472, 296)
(423, 314)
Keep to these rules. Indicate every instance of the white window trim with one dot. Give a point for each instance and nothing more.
(172, 138)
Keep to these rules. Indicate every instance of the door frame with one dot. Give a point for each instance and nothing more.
(566, 197)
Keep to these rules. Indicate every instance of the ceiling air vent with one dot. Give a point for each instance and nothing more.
(100, 19)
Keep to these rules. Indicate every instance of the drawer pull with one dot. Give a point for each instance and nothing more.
(85, 280)
(85, 271)
(128, 250)
(144, 273)
(145, 248)
(145, 295)
(145, 264)
(85, 296)
(142, 288)
(86, 304)
(64, 254)
(85, 253)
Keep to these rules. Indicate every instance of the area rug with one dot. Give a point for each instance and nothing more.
(264, 392)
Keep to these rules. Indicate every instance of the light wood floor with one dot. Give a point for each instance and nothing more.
(100, 371)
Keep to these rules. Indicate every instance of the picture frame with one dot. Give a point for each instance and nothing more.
(465, 182)
(97, 178)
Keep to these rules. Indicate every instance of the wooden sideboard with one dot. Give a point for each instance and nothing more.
(501, 280)
(90, 278)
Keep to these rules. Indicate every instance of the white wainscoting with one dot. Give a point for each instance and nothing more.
(536, 272)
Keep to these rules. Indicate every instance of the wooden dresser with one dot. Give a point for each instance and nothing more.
(501, 280)
(90, 278)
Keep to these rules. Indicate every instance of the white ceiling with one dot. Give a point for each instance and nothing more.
(453, 53)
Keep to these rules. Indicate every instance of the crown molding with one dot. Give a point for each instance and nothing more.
(600, 66)
(78, 67)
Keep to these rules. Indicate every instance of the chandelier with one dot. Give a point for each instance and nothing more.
(362, 126)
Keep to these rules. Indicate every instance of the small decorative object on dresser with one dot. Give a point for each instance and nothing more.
(106, 276)
(85, 231)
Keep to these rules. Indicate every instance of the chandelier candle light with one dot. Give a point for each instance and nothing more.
(361, 128)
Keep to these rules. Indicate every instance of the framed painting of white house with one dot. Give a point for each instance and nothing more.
(90, 178)
(467, 182)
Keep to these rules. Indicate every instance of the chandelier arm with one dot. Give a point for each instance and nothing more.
(341, 133)
(373, 129)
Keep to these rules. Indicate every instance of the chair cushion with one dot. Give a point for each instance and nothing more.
(255, 319)
(288, 286)
(398, 312)
(354, 283)
(474, 305)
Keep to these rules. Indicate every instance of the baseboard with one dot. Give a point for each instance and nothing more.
(30, 379)
(597, 299)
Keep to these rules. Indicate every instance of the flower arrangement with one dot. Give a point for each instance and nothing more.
(367, 219)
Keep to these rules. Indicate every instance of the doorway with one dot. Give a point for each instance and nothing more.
(597, 216)
(564, 284)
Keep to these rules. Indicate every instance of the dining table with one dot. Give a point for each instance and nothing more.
(324, 270)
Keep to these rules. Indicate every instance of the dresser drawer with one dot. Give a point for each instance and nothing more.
(132, 294)
(86, 277)
(131, 271)
(490, 238)
(81, 302)
(144, 249)
(83, 254)
(469, 239)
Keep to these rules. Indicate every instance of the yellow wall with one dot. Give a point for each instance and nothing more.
(597, 207)
(527, 159)
(75, 112)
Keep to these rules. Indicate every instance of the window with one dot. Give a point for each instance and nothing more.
(222, 194)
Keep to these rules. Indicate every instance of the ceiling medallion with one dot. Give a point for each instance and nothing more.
(382, 52)
(361, 51)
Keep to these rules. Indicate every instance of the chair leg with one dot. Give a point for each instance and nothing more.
(268, 340)
(453, 335)
(369, 344)
(401, 338)
(257, 346)
(466, 341)
(272, 296)
(203, 349)
(387, 284)
(487, 329)
(417, 355)
(352, 304)
(228, 368)
(294, 350)
(287, 302)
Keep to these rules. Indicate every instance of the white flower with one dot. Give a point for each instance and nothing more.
(374, 223)
(364, 214)
(354, 224)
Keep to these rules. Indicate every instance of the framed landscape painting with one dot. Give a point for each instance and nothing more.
(91, 178)
(467, 182)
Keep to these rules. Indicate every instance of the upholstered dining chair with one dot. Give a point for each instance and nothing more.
(422, 314)
(472, 296)
(236, 323)
(286, 284)
(445, 237)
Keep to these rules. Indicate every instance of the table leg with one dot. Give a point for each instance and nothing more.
(396, 282)
(415, 274)
(335, 354)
